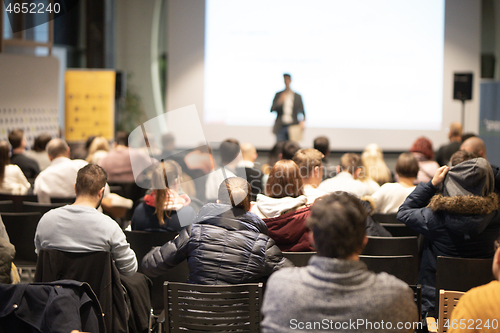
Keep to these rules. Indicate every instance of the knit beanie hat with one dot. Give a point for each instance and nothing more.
(423, 146)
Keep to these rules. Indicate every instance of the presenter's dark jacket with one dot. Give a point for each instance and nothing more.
(298, 107)
(225, 246)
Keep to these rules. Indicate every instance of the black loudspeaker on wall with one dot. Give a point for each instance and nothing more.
(462, 86)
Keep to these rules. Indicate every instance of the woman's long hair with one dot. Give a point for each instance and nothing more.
(373, 161)
(4, 159)
(166, 170)
(284, 180)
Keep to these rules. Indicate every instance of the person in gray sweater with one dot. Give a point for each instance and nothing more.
(335, 292)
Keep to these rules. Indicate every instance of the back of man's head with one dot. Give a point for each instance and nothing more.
(289, 149)
(474, 145)
(121, 138)
(90, 180)
(248, 152)
(407, 166)
(338, 223)
(229, 150)
(57, 148)
(41, 142)
(455, 131)
(307, 160)
(322, 144)
(350, 162)
(16, 138)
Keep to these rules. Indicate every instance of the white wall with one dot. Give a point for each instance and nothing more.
(185, 80)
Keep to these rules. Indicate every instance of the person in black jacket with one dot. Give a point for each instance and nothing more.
(227, 244)
(463, 220)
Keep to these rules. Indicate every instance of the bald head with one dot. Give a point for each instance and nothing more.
(248, 152)
(57, 148)
(474, 145)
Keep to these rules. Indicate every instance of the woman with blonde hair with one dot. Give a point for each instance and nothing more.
(98, 149)
(12, 179)
(376, 169)
(284, 208)
(164, 209)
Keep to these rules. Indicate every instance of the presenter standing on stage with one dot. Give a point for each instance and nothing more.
(287, 105)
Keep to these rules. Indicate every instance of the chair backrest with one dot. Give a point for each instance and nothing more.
(417, 297)
(299, 259)
(18, 200)
(142, 242)
(199, 308)
(42, 208)
(21, 228)
(447, 302)
(385, 218)
(7, 206)
(391, 246)
(95, 268)
(404, 267)
(461, 274)
(399, 229)
(62, 200)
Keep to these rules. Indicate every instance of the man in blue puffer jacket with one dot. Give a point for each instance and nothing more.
(227, 244)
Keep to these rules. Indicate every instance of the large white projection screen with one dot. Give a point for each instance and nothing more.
(367, 70)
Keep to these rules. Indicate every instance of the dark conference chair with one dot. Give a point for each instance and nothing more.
(21, 228)
(142, 242)
(391, 246)
(403, 267)
(201, 308)
(40, 207)
(7, 206)
(399, 229)
(95, 268)
(461, 274)
(385, 218)
(299, 259)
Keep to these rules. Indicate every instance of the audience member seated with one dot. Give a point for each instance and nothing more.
(12, 179)
(392, 195)
(322, 144)
(7, 253)
(58, 179)
(29, 166)
(336, 288)
(479, 305)
(275, 155)
(164, 209)
(422, 150)
(39, 153)
(246, 166)
(476, 145)
(347, 176)
(227, 244)
(462, 220)
(117, 163)
(284, 208)
(98, 149)
(445, 152)
(81, 228)
(289, 149)
(376, 169)
(310, 166)
(230, 155)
